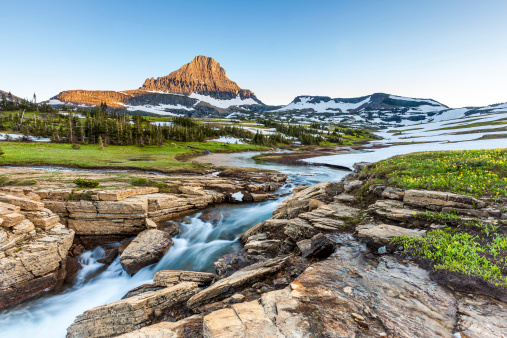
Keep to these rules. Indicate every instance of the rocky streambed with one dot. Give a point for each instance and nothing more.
(318, 263)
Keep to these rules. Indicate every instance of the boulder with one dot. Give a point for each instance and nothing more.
(147, 248)
(130, 314)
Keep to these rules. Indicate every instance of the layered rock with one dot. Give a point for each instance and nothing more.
(33, 249)
(131, 313)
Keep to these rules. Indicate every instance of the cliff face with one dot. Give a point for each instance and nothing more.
(203, 75)
(93, 97)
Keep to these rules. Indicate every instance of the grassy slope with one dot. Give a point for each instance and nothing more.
(90, 156)
(471, 247)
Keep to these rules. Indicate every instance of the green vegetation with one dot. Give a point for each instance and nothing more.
(469, 172)
(162, 158)
(6, 181)
(461, 252)
(86, 183)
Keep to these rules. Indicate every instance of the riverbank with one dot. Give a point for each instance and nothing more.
(164, 159)
(331, 259)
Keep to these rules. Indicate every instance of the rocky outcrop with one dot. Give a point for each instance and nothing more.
(203, 75)
(33, 249)
(147, 248)
(133, 313)
(343, 296)
(227, 286)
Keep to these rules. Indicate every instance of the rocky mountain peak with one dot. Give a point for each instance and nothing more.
(202, 75)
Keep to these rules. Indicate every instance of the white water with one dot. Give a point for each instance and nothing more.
(198, 245)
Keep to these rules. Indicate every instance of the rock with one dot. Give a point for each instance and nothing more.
(45, 219)
(436, 200)
(12, 219)
(236, 298)
(227, 286)
(173, 277)
(34, 267)
(394, 210)
(379, 235)
(260, 197)
(188, 327)
(101, 227)
(211, 216)
(351, 185)
(23, 203)
(241, 320)
(344, 198)
(147, 248)
(150, 224)
(298, 229)
(319, 247)
(142, 289)
(347, 295)
(118, 195)
(130, 314)
(393, 193)
(192, 190)
(72, 267)
(481, 317)
(109, 256)
(262, 246)
(172, 228)
(359, 166)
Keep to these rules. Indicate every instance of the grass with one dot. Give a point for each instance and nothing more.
(164, 159)
(461, 252)
(469, 172)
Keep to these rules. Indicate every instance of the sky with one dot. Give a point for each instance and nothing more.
(453, 51)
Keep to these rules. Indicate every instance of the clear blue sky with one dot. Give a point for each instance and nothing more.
(454, 51)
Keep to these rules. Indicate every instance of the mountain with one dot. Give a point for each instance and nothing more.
(201, 87)
(9, 97)
(377, 110)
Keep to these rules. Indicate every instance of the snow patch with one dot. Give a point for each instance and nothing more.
(237, 101)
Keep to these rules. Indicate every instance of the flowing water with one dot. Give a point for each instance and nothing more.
(198, 245)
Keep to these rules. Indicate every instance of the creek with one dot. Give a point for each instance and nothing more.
(198, 245)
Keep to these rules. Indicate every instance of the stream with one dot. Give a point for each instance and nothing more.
(198, 245)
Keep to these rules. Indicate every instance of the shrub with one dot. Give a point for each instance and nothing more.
(76, 146)
(86, 183)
